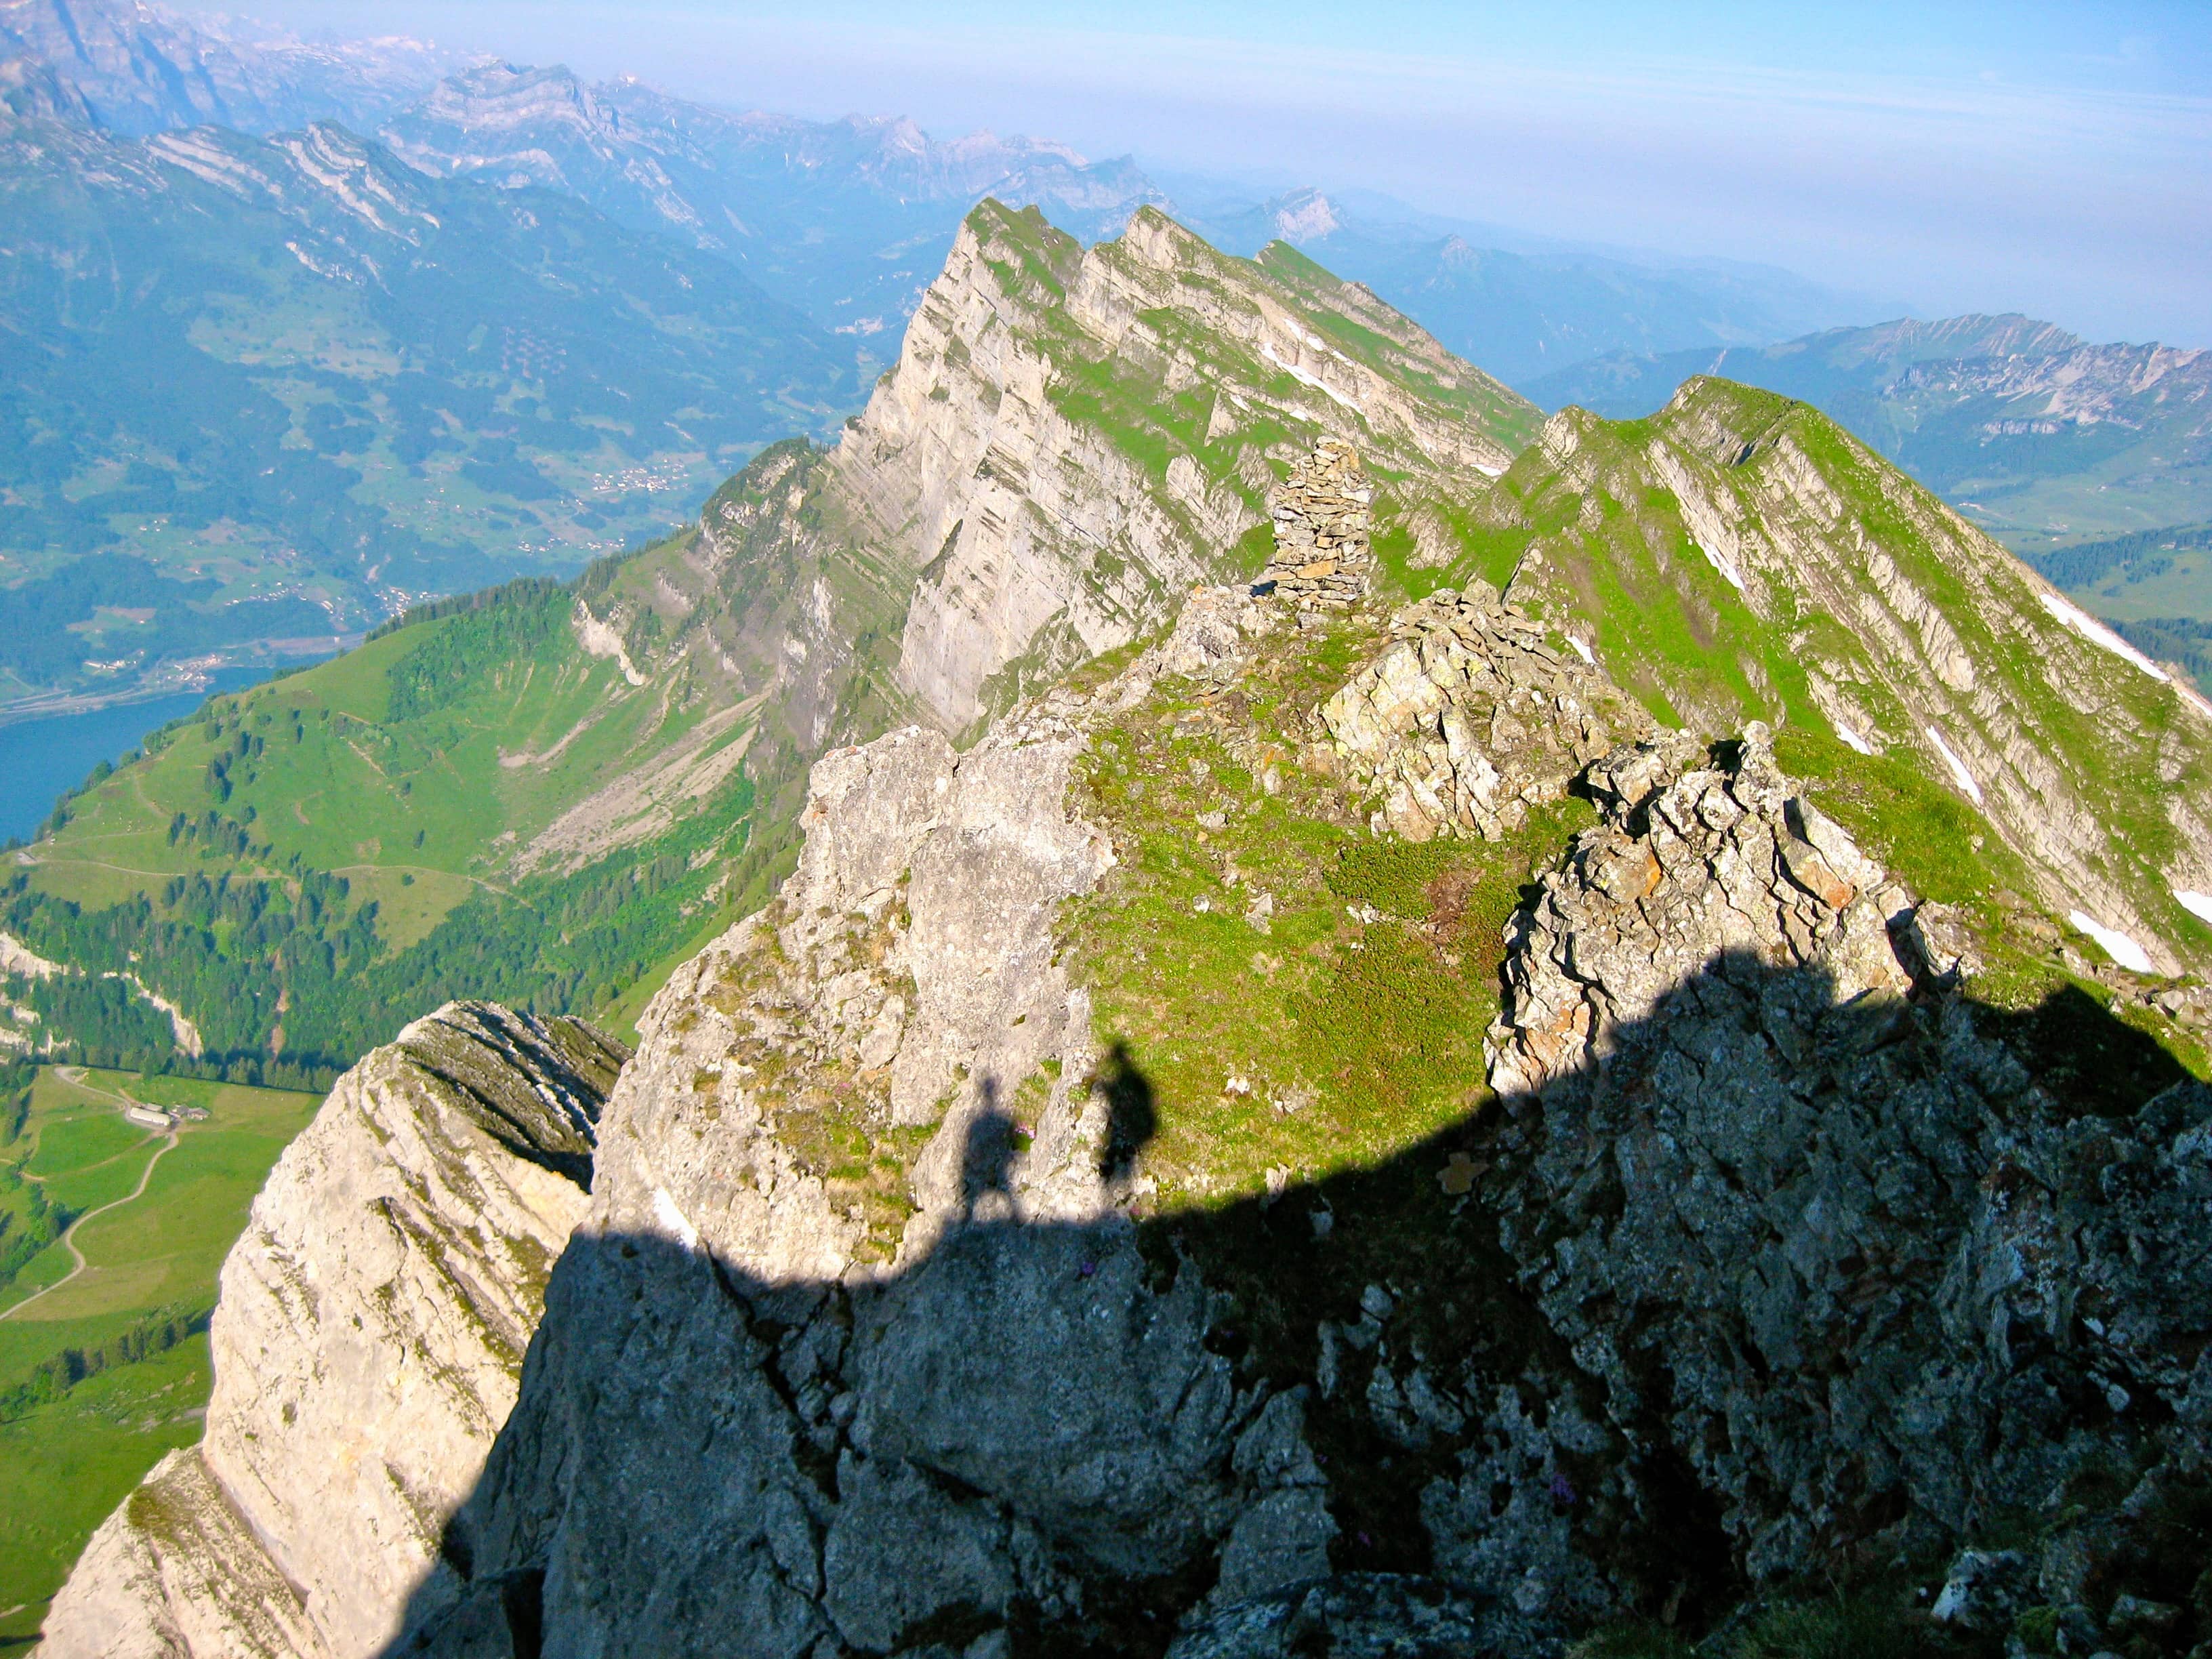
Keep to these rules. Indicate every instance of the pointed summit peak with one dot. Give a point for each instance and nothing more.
(1155, 240)
(1304, 215)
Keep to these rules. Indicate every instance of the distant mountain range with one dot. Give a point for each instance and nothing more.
(846, 220)
(1524, 310)
(296, 368)
(142, 71)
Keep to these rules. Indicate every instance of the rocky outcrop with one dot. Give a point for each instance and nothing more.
(1324, 557)
(860, 1191)
(366, 1346)
(1472, 716)
(1804, 1217)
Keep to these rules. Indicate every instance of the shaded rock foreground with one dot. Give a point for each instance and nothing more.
(1773, 1261)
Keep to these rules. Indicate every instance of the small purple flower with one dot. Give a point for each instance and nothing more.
(1563, 1490)
(1087, 1268)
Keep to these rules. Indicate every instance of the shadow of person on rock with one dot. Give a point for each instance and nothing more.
(986, 1160)
(1131, 1119)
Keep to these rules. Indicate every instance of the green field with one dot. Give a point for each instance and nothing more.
(67, 1460)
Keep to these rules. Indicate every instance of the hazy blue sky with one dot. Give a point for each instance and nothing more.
(2052, 158)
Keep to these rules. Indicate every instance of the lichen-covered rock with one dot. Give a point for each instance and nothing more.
(1472, 716)
(367, 1344)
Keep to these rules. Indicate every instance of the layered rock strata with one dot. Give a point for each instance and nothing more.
(1324, 557)
(1471, 716)
(1072, 437)
(368, 1343)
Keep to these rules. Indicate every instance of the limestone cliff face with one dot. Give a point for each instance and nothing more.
(1071, 439)
(881, 1357)
(367, 1345)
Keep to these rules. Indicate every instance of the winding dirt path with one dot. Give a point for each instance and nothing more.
(69, 1239)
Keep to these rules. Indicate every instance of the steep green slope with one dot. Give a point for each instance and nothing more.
(505, 797)
(2042, 439)
(304, 386)
(1740, 555)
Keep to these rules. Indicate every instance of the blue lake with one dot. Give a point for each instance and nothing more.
(40, 759)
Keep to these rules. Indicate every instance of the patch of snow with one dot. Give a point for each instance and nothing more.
(2096, 634)
(666, 1212)
(599, 639)
(1725, 566)
(2198, 904)
(1958, 767)
(1581, 650)
(1306, 377)
(2117, 944)
(1853, 740)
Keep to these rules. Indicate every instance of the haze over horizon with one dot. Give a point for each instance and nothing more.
(1953, 157)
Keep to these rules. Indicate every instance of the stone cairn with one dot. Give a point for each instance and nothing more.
(1323, 557)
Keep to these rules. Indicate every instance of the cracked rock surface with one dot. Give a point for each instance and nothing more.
(1870, 1279)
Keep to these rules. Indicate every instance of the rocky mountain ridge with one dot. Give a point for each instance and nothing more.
(2042, 438)
(1011, 501)
(1741, 556)
(886, 1333)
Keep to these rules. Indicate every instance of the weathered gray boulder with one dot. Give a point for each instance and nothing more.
(1363, 1616)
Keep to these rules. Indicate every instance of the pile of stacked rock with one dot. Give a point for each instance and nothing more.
(1322, 558)
(1472, 716)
